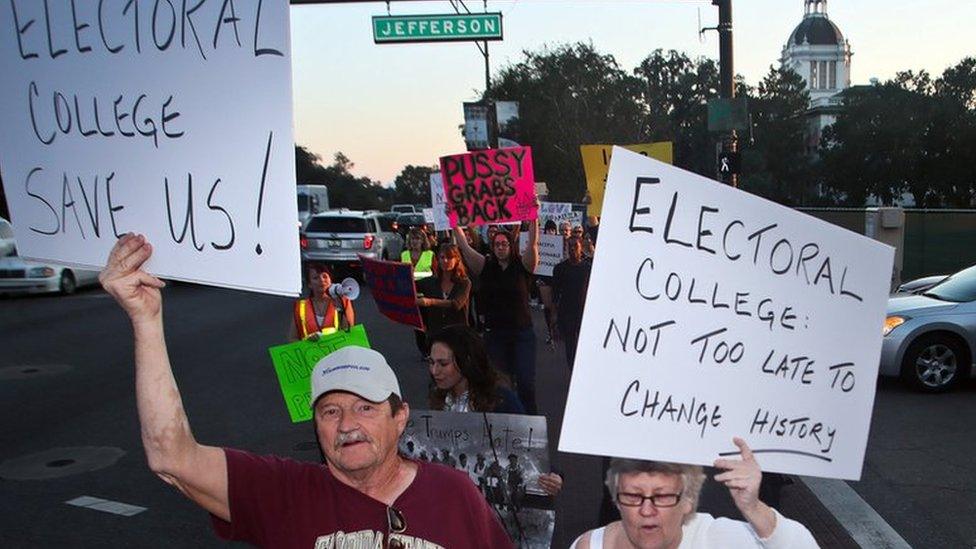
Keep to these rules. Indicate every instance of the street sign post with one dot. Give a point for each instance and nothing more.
(398, 29)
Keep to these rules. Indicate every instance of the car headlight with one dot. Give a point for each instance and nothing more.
(891, 323)
(40, 272)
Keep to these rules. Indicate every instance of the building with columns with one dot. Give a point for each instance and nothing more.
(818, 52)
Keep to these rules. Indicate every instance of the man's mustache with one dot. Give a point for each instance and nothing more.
(347, 438)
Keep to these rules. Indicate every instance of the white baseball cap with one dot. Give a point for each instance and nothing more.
(357, 370)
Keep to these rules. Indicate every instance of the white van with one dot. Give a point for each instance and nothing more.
(312, 199)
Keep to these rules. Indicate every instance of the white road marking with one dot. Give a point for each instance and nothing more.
(106, 505)
(861, 521)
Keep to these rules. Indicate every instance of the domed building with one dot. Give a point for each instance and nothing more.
(818, 51)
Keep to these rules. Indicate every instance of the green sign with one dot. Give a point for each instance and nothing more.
(394, 29)
(294, 362)
(725, 115)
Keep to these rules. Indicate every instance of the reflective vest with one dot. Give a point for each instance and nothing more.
(306, 322)
(423, 265)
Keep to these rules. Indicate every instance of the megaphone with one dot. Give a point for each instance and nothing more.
(349, 288)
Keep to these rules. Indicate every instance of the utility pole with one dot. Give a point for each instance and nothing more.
(730, 142)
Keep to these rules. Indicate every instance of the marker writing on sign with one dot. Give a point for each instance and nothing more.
(94, 118)
(480, 186)
(69, 31)
(695, 226)
(664, 408)
(69, 185)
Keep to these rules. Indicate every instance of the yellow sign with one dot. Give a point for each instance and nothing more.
(596, 164)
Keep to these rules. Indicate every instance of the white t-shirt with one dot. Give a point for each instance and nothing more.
(707, 532)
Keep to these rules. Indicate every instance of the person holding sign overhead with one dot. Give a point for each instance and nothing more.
(506, 278)
(657, 503)
(365, 495)
(320, 314)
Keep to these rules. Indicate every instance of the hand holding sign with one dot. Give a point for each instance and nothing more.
(123, 278)
(743, 478)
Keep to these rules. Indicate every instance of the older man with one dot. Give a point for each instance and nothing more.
(657, 503)
(366, 495)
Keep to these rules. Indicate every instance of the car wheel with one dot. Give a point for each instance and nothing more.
(934, 363)
(67, 284)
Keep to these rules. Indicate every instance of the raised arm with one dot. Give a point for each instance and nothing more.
(474, 260)
(530, 259)
(200, 472)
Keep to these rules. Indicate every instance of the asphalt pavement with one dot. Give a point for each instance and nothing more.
(70, 431)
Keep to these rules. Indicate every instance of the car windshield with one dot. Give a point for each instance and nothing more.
(957, 288)
(303, 202)
(337, 225)
(411, 219)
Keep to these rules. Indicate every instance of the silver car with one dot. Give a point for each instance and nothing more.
(930, 338)
(338, 238)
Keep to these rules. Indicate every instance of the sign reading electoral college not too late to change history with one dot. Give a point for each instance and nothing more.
(713, 313)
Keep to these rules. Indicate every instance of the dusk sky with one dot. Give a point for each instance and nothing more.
(386, 106)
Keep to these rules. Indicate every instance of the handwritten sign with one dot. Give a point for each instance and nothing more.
(559, 212)
(438, 202)
(177, 126)
(392, 286)
(550, 251)
(596, 161)
(490, 186)
(503, 454)
(712, 313)
(293, 365)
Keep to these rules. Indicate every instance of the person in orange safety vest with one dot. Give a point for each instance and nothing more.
(319, 314)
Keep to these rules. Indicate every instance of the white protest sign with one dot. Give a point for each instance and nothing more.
(175, 123)
(550, 251)
(712, 313)
(559, 212)
(428, 215)
(438, 203)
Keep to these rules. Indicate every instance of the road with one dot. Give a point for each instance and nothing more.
(68, 413)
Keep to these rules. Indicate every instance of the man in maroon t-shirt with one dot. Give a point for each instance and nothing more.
(366, 494)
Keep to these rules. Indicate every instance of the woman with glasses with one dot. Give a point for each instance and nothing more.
(657, 503)
(463, 380)
(443, 298)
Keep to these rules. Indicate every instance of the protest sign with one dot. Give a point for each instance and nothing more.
(559, 212)
(596, 160)
(503, 454)
(438, 202)
(550, 251)
(490, 186)
(181, 131)
(713, 313)
(428, 215)
(392, 286)
(293, 364)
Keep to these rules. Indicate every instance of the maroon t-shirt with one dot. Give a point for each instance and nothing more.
(278, 502)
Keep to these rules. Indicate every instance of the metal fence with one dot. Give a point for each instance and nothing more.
(936, 241)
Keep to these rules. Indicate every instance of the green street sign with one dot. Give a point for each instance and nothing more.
(395, 29)
(725, 115)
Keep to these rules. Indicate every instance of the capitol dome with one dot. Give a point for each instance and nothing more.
(816, 31)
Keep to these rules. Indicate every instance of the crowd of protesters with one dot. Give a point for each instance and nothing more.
(475, 295)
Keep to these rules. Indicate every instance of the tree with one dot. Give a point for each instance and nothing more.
(568, 96)
(345, 189)
(412, 186)
(776, 164)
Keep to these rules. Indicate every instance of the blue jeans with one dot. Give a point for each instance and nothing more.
(512, 350)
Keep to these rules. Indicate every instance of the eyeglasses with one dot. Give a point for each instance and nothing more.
(657, 500)
(397, 525)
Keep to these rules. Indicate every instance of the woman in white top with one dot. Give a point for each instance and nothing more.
(657, 503)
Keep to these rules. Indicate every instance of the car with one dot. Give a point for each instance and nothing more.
(403, 208)
(7, 244)
(19, 276)
(408, 221)
(919, 285)
(338, 238)
(930, 337)
(388, 222)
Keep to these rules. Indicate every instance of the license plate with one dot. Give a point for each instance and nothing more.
(333, 243)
